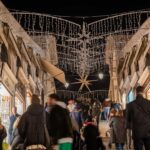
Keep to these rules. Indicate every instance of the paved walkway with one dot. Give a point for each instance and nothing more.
(106, 140)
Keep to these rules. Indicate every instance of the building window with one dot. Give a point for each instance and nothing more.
(137, 66)
(147, 63)
(18, 63)
(37, 72)
(29, 69)
(4, 54)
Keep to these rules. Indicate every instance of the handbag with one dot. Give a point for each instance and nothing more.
(48, 140)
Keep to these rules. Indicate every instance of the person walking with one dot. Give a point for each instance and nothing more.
(138, 118)
(31, 126)
(12, 119)
(118, 130)
(59, 126)
(3, 134)
(17, 141)
(91, 137)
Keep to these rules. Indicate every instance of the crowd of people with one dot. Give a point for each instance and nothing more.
(74, 126)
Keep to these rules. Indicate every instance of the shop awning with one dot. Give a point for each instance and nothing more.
(53, 70)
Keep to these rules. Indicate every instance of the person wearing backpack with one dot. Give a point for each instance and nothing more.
(138, 118)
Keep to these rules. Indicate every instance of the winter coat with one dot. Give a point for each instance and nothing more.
(31, 125)
(59, 123)
(118, 130)
(91, 138)
(78, 117)
(12, 119)
(139, 118)
(3, 133)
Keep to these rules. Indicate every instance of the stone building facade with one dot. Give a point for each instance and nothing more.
(133, 66)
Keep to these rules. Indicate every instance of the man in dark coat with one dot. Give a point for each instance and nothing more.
(12, 119)
(59, 125)
(138, 118)
(31, 125)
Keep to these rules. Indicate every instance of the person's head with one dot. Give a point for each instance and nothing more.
(35, 99)
(52, 99)
(71, 102)
(14, 110)
(139, 90)
(119, 113)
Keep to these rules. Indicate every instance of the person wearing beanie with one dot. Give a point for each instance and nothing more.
(31, 125)
(138, 119)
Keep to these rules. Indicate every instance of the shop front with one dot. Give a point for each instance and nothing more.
(7, 90)
(5, 105)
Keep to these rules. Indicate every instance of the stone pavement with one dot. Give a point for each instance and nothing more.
(106, 140)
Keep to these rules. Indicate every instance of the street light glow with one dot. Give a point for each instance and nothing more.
(66, 85)
(101, 75)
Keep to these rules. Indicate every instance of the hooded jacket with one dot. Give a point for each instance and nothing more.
(31, 125)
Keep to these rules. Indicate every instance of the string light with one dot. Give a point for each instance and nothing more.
(84, 56)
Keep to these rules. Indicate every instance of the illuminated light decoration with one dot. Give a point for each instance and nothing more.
(84, 82)
(101, 75)
(81, 49)
(66, 85)
(71, 36)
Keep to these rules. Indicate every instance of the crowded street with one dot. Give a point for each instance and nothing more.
(74, 75)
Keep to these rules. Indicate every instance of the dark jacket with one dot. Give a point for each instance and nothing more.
(117, 124)
(31, 125)
(59, 123)
(92, 139)
(138, 117)
(3, 133)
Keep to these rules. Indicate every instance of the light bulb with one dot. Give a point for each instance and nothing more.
(101, 75)
(66, 84)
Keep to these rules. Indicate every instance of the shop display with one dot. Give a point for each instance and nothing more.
(5, 99)
(19, 105)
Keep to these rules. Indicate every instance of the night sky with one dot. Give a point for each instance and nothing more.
(79, 8)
